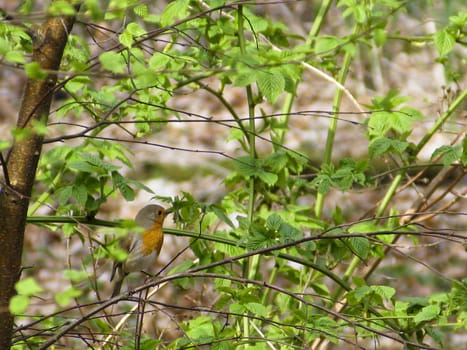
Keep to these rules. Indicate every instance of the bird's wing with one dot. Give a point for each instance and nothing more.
(127, 244)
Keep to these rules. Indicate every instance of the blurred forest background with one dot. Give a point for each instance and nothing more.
(262, 124)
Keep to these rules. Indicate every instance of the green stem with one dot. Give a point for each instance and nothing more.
(231, 110)
(272, 278)
(252, 263)
(52, 220)
(280, 124)
(279, 133)
(318, 21)
(398, 178)
(439, 122)
(45, 195)
(427, 137)
(333, 123)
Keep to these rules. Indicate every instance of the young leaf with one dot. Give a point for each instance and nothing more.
(384, 291)
(28, 286)
(256, 309)
(383, 145)
(444, 42)
(34, 71)
(361, 246)
(66, 297)
(449, 154)
(175, 9)
(19, 304)
(428, 313)
(113, 62)
(271, 83)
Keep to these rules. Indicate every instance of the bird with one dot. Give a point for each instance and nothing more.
(143, 249)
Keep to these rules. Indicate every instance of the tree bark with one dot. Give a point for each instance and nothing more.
(20, 166)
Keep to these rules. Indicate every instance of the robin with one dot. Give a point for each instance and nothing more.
(143, 249)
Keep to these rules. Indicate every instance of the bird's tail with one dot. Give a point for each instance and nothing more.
(119, 275)
(117, 287)
(118, 284)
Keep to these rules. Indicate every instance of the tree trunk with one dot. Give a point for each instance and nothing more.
(21, 163)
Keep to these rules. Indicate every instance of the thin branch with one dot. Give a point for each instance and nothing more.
(5, 170)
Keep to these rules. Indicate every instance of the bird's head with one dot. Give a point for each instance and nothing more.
(151, 214)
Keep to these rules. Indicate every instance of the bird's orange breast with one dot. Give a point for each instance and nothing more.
(153, 239)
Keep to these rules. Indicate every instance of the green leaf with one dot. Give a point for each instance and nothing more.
(237, 308)
(268, 178)
(159, 60)
(126, 39)
(355, 296)
(185, 265)
(4, 145)
(326, 44)
(258, 23)
(322, 182)
(117, 253)
(428, 313)
(459, 20)
(274, 222)
(277, 161)
(364, 227)
(382, 145)
(246, 166)
(68, 229)
(201, 329)
(66, 297)
(388, 102)
(220, 213)
(401, 307)
(444, 42)
(245, 78)
(176, 9)
(15, 57)
(80, 193)
(120, 182)
(19, 304)
(28, 286)
(379, 123)
(321, 288)
(98, 162)
(271, 84)
(355, 8)
(256, 309)
(229, 249)
(132, 31)
(141, 10)
(113, 62)
(399, 121)
(61, 8)
(450, 154)
(4, 46)
(361, 246)
(34, 71)
(439, 298)
(436, 334)
(75, 275)
(64, 195)
(464, 152)
(288, 233)
(379, 36)
(384, 291)
(40, 127)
